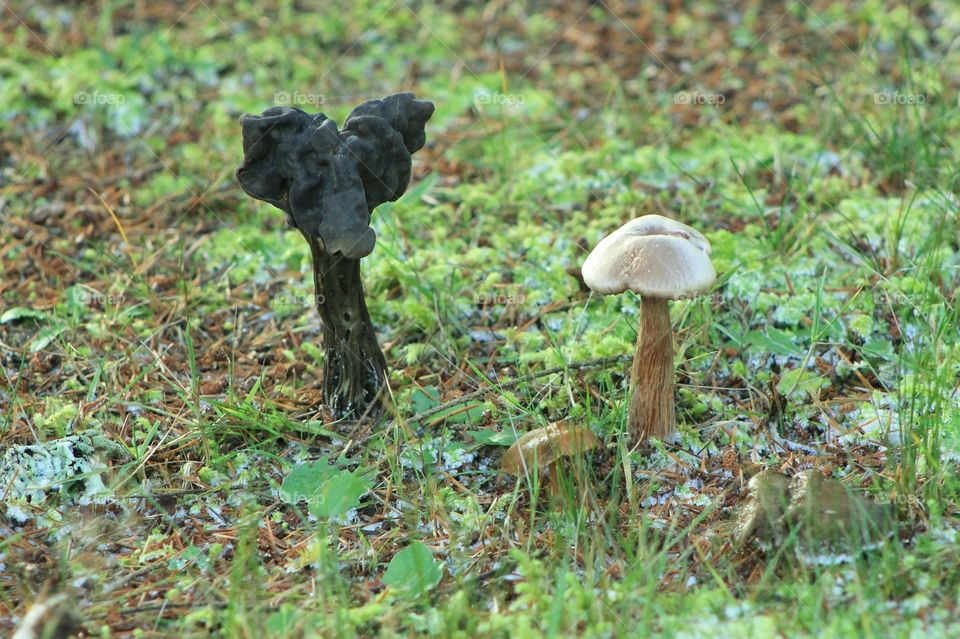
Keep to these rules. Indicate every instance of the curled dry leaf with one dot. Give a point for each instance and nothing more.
(761, 515)
(826, 513)
(543, 446)
(831, 513)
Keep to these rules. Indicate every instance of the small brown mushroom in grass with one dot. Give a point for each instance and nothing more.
(542, 448)
(659, 259)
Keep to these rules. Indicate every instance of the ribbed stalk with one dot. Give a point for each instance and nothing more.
(651, 378)
(355, 370)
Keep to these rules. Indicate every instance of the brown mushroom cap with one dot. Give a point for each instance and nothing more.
(543, 446)
(652, 256)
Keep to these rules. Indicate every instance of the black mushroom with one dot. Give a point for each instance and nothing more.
(328, 182)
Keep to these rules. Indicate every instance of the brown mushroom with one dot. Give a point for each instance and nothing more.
(659, 259)
(541, 449)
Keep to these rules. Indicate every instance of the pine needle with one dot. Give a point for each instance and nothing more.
(116, 220)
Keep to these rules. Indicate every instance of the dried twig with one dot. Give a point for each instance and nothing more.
(48, 617)
(480, 392)
(502, 386)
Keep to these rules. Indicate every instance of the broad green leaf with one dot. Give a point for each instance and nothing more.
(328, 490)
(773, 340)
(305, 480)
(283, 620)
(290, 621)
(880, 349)
(413, 570)
(19, 313)
(44, 337)
(423, 399)
(800, 380)
(460, 414)
(339, 494)
(492, 438)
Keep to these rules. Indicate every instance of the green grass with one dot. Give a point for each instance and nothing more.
(183, 329)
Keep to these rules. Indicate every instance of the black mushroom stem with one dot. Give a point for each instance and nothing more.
(354, 369)
(328, 182)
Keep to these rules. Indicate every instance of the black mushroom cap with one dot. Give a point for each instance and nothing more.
(328, 181)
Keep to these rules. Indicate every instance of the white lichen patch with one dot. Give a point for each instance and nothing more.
(875, 422)
(69, 468)
(455, 457)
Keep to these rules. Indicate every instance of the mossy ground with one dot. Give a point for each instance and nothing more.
(146, 298)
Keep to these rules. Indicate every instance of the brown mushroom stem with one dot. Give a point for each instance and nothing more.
(355, 370)
(651, 406)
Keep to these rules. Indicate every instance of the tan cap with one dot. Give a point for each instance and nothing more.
(652, 256)
(543, 446)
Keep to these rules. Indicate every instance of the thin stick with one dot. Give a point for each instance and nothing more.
(516, 382)
(419, 417)
(116, 220)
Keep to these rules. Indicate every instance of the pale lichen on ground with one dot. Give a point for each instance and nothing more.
(70, 468)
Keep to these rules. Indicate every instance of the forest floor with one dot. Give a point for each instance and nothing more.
(161, 359)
